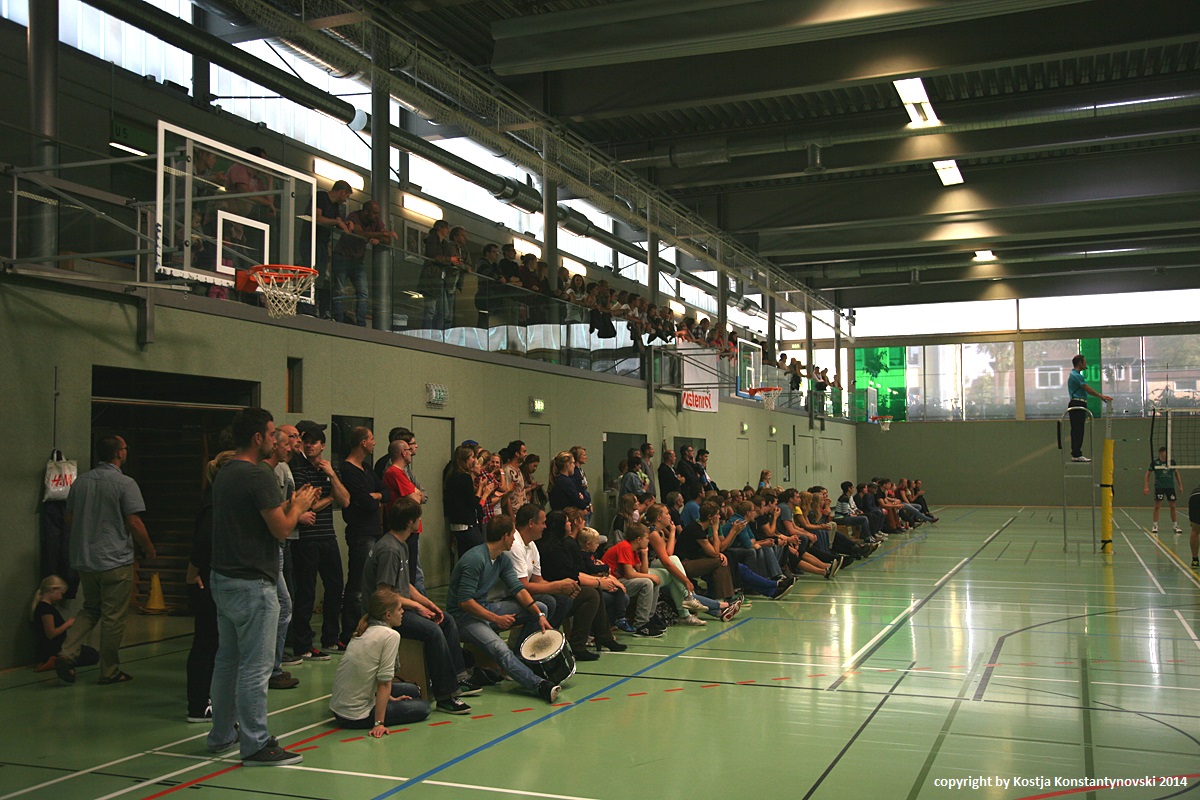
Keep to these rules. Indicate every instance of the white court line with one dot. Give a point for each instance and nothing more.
(1176, 560)
(1129, 544)
(400, 779)
(152, 781)
(1188, 628)
(1148, 686)
(946, 577)
(153, 751)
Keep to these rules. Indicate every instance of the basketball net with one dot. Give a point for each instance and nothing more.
(768, 393)
(283, 286)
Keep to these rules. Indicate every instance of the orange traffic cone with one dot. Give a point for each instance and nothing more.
(155, 604)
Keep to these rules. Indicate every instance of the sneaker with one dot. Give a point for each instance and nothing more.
(548, 691)
(623, 625)
(291, 660)
(225, 748)
(1081, 460)
(611, 644)
(646, 632)
(692, 604)
(272, 755)
(782, 588)
(284, 681)
(204, 717)
(337, 648)
(832, 569)
(469, 688)
(1176, 529)
(65, 670)
(583, 654)
(730, 611)
(314, 655)
(692, 620)
(452, 705)
(1196, 563)
(1154, 528)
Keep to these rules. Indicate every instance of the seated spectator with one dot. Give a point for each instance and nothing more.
(479, 619)
(629, 562)
(616, 600)
(365, 691)
(563, 560)
(847, 513)
(744, 547)
(50, 629)
(627, 514)
(668, 567)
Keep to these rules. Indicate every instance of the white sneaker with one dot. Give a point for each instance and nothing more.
(693, 620)
(1176, 529)
(1082, 459)
(692, 604)
(1154, 528)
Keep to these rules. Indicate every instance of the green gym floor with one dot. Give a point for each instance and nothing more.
(973, 650)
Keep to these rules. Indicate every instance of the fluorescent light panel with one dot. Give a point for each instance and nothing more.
(916, 101)
(336, 172)
(422, 207)
(525, 246)
(678, 307)
(574, 267)
(985, 255)
(128, 149)
(948, 172)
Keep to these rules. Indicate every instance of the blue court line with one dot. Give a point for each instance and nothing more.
(487, 745)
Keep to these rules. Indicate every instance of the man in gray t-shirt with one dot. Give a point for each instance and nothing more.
(103, 514)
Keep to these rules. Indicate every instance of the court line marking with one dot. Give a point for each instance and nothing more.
(153, 781)
(876, 641)
(1187, 627)
(1171, 554)
(352, 774)
(1129, 544)
(152, 751)
(578, 703)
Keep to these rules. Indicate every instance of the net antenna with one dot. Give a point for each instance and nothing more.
(283, 286)
(769, 394)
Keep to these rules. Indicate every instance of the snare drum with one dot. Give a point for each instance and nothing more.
(548, 655)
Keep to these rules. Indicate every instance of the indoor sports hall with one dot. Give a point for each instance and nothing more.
(945, 252)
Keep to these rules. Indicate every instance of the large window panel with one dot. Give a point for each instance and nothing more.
(1122, 369)
(989, 381)
(1172, 371)
(935, 383)
(1047, 364)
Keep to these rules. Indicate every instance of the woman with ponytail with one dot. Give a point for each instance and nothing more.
(366, 693)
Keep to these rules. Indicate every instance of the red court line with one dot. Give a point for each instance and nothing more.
(710, 686)
(1078, 789)
(447, 722)
(398, 730)
(597, 699)
(637, 694)
(192, 782)
(676, 689)
(355, 739)
(817, 675)
(313, 738)
(481, 716)
(781, 679)
(302, 749)
(561, 705)
(743, 683)
(521, 710)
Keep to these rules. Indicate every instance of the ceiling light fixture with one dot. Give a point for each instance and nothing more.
(948, 172)
(985, 255)
(336, 172)
(916, 102)
(421, 207)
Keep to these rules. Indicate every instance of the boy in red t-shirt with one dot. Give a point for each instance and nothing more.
(629, 562)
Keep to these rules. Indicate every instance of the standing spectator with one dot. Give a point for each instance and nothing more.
(706, 483)
(513, 456)
(649, 469)
(438, 277)
(580, 477)
(248, 524)
(687, 467)
(535, 492)
(397, 485)
(634, 480)
(278, 464)
(363, 524)
(199, 588)
(103, 515)
(563, 491)
(316, 551)
(668, 479)
(486, 274)
(366, 226)
(330, 217)
(462, 500)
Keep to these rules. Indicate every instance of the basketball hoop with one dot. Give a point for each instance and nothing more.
(769, 393)
(885, 423)
(283, 286)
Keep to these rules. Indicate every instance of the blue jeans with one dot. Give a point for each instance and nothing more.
(483, 634)
(285, 616)
(357, 550)
(247, 621)
(862, 523)
(349, 273)
(442, 650)
(917, 512)
(399, 712)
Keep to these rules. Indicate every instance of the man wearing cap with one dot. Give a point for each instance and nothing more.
(316, 551)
